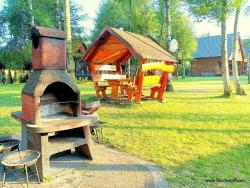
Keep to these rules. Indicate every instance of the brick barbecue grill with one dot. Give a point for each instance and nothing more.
(51, 110)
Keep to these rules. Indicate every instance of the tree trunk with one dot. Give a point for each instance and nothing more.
(224, 53)
(168, 24)
(130, 27)
(183, 70)
(239, 90)
(168, 38)
(162, 20)
(161, 31)
(70, 64)
(58, 12)
(9, 77)
(4, 77)
(31, 12)
(1, 76)
(130, 15)
(248, 67)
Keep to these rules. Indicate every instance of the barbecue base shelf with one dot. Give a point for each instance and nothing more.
(50, 145)
(61, 144)
(54, 135)
(58, 122)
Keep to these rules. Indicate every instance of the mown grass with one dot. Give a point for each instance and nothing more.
(195, 136)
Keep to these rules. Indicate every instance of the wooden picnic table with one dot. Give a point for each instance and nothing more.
(115, 84)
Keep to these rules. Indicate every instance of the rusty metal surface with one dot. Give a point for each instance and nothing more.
(47, 32)
(30, 109)
(49, 54)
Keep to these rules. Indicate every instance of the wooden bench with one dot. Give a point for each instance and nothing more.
(101, 73)
(156, 83)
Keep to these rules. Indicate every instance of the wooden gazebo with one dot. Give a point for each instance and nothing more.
(115, 47)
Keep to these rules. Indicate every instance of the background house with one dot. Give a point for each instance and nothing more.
(246, 46)
(207, 58)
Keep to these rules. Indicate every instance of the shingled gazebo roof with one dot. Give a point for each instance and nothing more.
(114, 45)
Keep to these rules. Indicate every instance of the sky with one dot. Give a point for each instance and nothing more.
(199, 28)
(212, 28)
(91, 8)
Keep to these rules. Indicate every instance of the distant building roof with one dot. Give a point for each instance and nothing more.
(210, 46)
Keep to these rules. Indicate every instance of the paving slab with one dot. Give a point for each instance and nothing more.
(109, 169)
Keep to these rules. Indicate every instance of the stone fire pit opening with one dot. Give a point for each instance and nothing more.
(53, 101)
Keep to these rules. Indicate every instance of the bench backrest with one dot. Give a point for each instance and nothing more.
(102, 73)
(151, 80)
(155, 79)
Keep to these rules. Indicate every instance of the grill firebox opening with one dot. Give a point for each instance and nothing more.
(59, 98)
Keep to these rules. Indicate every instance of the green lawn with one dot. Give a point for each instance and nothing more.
(196, 135)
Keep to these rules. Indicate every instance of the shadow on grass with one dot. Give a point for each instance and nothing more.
(117, 104)
(180, 130)
(227, 169)
(187, 117)
(209, 99)
(200, 97)
(105, 102)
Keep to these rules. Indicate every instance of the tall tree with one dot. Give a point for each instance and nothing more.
(247, 44)
(168, 37)
(218, 10)
(239, 90)
(129, 27)
(115, 14)
(69, 40)
(148, 18)
(168, 24)
(224, 52)
(58, 12)
(16, 22)
(130, 15)
(31, 12)
(181, 28)
(248, 67)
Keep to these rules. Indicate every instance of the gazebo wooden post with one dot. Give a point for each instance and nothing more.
(140, 82)
(163, 84)
(119, 68)
(92, 69)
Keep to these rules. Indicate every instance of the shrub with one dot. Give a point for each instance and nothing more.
(4, 77)
(9, 77)
(15, 77)
(1, 76)
(21, 78)
(26, 77)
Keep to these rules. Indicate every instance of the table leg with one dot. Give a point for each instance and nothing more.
(114, 92)
(97, 136)
(4, 175)
(37, 174)
(27, 175)
(101, 135)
